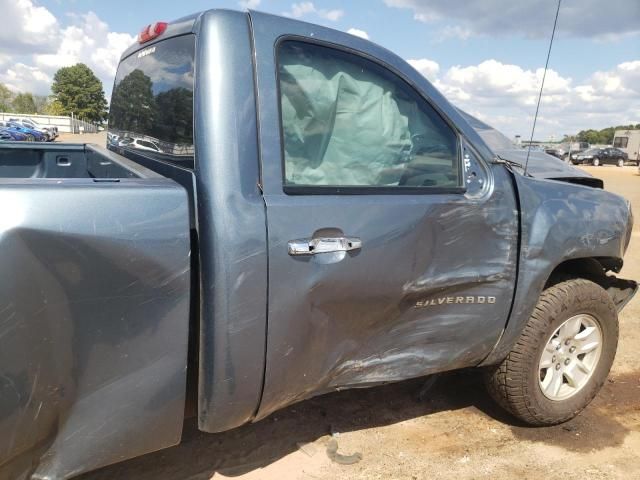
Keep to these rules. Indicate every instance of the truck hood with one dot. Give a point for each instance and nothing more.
(543, 165)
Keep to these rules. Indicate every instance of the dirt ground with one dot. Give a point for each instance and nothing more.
(455, 433)
(99, 138)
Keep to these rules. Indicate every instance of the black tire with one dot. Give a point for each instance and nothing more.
(620, 162)
(596, 162)
(514, 384)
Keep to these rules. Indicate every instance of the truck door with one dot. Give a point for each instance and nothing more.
(392, 243)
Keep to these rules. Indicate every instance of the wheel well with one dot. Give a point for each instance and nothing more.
(595, 269)
(588, 268)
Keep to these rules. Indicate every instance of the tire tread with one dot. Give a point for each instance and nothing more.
(508, 383)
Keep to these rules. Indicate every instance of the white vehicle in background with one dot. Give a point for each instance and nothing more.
(144, 145)
(137, 143)
(629, 142)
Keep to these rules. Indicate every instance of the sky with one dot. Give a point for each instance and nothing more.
(486, 56)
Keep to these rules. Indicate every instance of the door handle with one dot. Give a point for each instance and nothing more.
(313, 246)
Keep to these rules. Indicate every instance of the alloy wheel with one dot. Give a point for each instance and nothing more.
(570, 357)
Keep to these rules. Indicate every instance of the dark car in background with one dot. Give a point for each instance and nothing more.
(601, 156)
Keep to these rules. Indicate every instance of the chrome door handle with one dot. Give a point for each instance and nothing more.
(313, 246)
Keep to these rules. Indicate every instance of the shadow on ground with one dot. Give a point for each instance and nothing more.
(254, 446)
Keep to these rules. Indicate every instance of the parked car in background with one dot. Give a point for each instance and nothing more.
(44, 133)
(601, 156)
(50, 131)
(11, 134)
(123, 141)
(565, 150)
(556, 152)
(629, 142)
(17, 133)
(37, 136)
(112, 138)
(141, 144)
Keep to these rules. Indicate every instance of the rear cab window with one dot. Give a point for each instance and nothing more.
(152, 102)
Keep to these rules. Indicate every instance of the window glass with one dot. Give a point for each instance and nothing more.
(347, 121)
(620, 142)
(152, 99)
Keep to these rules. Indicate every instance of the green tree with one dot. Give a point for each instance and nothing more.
(24, 103)
(133, 107)
(175, 123)
(41, 102)
(53, 107)
(5, 98)
(80, 92)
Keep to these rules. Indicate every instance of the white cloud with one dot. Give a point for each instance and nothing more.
(532, 18)
(358, 33)
(299, 10)
(505, 96)
(87, 39)
(27, 28)
(251, 4)
(25, 78)
(426, 67)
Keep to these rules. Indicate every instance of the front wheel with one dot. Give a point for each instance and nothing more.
(562, 357)
(596, 162)
(621, 162)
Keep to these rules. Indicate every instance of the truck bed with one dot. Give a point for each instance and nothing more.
(94, 308)
(35, 160)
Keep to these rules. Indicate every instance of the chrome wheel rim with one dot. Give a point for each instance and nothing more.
(570, 357)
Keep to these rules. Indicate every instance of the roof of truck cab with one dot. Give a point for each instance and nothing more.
(180, 26)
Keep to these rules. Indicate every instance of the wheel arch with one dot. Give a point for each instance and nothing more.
(595, 269)
(566, 230)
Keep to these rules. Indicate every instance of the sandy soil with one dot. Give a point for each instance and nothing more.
(99, 138)
(455, 433)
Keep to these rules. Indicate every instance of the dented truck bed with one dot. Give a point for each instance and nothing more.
(94, 306)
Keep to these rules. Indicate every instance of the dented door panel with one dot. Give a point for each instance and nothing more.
(430, 289)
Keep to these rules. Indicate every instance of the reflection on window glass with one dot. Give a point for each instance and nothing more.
(152, 103)
(347, 121)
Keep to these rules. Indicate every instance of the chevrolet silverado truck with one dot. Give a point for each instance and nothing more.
(313, 215)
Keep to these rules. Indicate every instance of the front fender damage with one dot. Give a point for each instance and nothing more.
(620, 290)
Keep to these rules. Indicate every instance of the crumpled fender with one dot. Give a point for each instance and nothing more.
(558, 222)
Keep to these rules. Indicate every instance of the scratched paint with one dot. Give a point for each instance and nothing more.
(93, 326)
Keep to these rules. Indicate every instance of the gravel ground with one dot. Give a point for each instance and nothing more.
(456, 433)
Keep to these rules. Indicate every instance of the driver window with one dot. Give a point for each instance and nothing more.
(349, 122)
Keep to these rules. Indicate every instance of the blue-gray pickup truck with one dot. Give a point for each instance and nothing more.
(284, 210)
